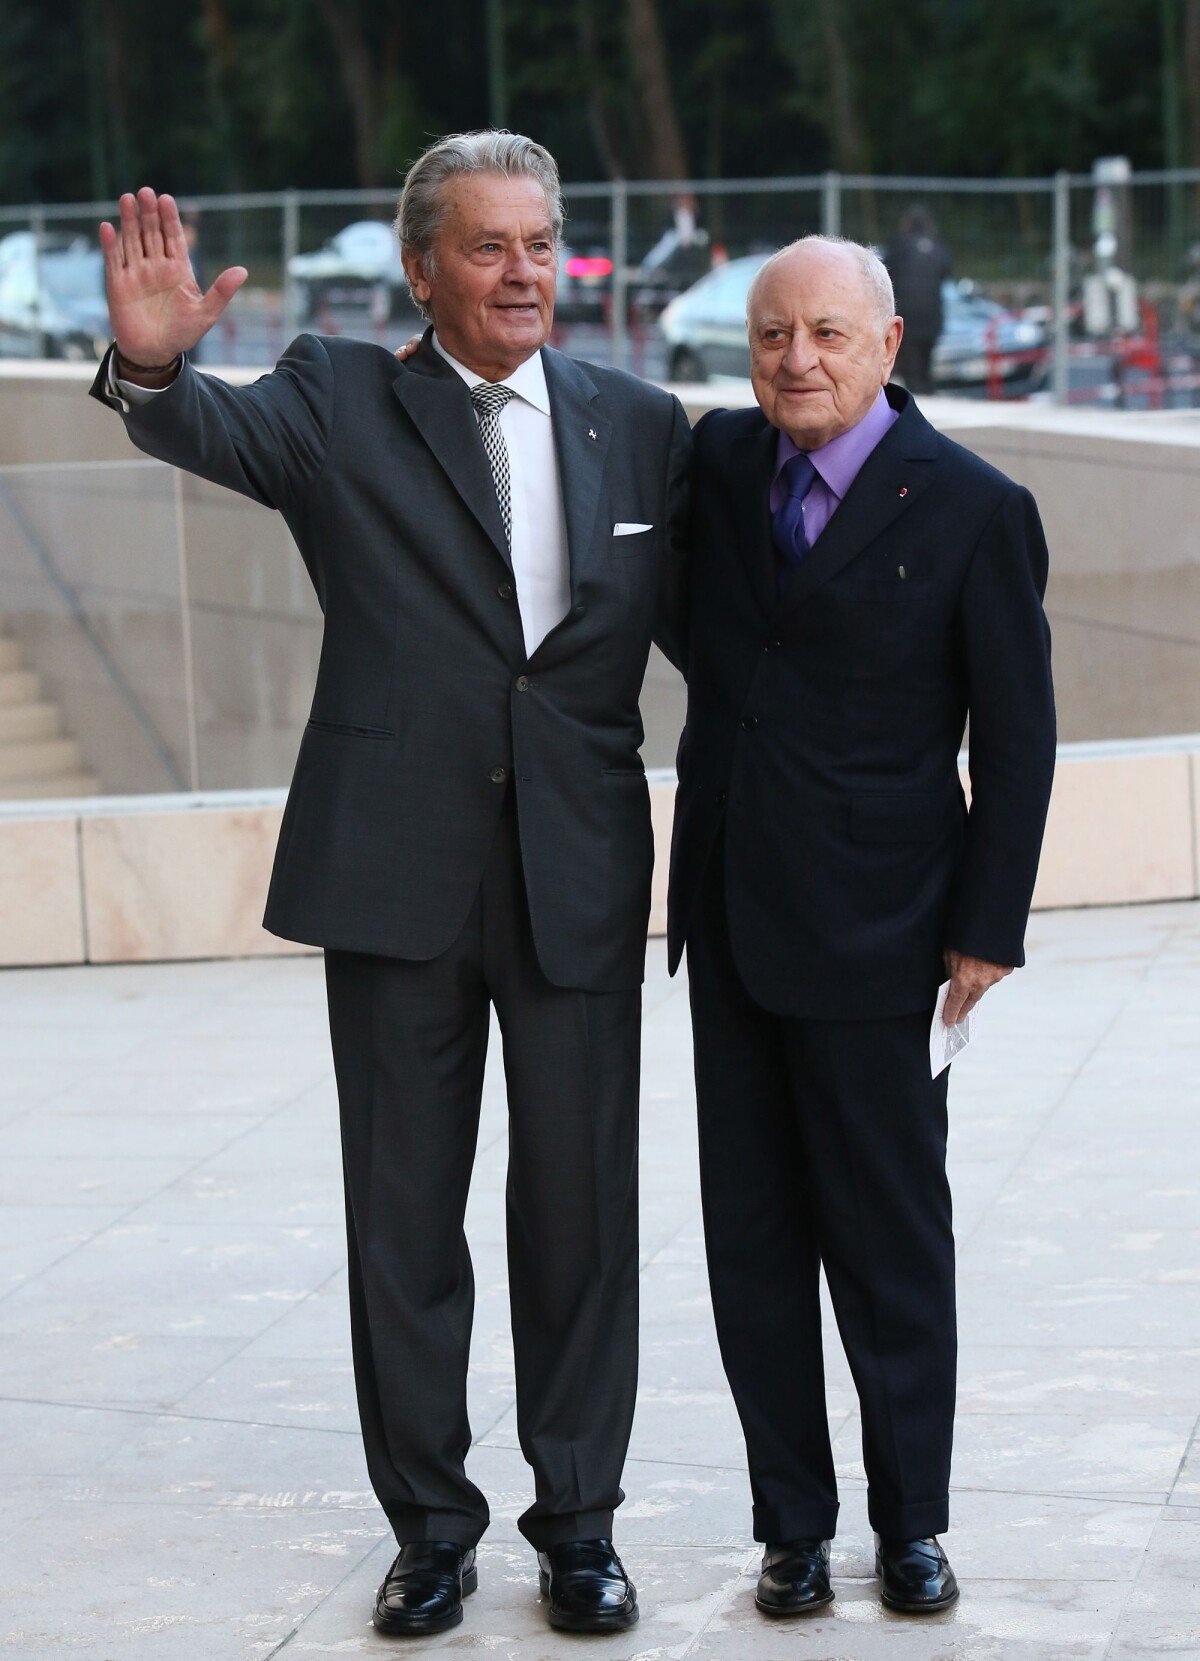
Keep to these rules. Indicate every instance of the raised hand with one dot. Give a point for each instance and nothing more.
(154, 302)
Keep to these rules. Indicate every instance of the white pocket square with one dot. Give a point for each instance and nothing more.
(630, 530)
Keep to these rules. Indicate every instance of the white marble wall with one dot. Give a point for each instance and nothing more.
(170, 878)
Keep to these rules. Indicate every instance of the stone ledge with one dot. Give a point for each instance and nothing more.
(137, 879)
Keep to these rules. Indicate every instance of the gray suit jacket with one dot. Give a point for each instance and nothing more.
(426, 708)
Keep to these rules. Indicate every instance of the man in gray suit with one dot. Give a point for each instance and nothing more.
(468, 826)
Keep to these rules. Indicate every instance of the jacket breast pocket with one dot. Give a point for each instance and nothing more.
(635, 544)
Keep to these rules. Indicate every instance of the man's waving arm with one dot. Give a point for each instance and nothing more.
(265, 440)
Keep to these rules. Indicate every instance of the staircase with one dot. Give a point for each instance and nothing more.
(36, 760)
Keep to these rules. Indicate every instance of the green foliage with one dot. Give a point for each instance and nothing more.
(100, 95)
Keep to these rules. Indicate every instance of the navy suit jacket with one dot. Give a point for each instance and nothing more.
(823, 729)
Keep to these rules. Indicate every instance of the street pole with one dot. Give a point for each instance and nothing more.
(1062, 286)
(831, 204)
(620, 283)
(497, 79)
(291, 247)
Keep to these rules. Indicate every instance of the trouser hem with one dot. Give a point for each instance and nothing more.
(410, 1530)
(542, 1532)
(775, 1527)
(910, 1522)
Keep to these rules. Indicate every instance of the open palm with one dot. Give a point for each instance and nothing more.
(155, 305)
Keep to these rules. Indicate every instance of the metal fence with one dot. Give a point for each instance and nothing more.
(1101, 270)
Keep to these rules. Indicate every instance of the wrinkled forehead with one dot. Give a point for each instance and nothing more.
(493, 201)
(811, 284)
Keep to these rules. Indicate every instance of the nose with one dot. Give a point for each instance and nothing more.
(801, 355)
(521, 270)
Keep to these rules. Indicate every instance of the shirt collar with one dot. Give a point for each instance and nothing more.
(839, 461)
(528, 381)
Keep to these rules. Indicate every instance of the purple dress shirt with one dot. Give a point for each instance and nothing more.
(837, 464)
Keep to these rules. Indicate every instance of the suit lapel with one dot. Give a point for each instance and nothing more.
(891, 479)
(581, 440)
(440, 405)
(753, 469)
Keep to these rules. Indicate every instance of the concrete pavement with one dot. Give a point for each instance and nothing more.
(182, 1473)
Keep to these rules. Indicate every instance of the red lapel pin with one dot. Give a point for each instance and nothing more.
(904, 490)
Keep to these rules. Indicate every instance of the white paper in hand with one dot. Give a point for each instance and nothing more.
(946, 1042)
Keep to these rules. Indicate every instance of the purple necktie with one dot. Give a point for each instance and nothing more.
(787, 522)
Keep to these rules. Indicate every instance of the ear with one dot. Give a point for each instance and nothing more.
(414, 270)
(891, 345)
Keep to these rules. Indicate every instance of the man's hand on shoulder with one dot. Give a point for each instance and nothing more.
(970, 978)
(155, 305)
(410, 345)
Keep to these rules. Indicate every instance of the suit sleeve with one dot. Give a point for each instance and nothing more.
(266, 441)
(670, 631)
(1005, 641)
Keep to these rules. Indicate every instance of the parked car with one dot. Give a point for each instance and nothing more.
(705, 332)
(675, 262)
(584, 285)
(360, 266)
(52, 300)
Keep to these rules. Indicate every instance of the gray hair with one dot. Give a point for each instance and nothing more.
(423, 208)
(871, 267)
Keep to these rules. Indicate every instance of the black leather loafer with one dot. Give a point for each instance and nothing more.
(916, 1575)
(794, 1578)
(587, 1586)
(423, 1591)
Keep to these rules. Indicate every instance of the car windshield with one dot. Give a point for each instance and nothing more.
(74, 277)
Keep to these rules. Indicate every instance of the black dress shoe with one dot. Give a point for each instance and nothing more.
(423, 1590)
(794, 1578)
(916, 1575)
(587, 1586)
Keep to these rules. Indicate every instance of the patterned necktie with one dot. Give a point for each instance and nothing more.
(787, 522)
(489, 399)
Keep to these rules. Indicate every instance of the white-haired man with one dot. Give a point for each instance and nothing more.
(468, 826)
(859, 585)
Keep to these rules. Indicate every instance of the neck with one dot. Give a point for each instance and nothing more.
(486, 369)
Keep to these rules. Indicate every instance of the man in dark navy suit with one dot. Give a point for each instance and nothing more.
(859, 585)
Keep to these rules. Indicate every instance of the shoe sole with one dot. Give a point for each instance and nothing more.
(419, 1626)
(931, 1606)
(619, 1621)
(798, 1612)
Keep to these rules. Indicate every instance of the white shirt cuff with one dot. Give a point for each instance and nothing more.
(128, 393)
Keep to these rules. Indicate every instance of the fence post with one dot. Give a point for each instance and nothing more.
(291, 247)
(620, 288)
(37, 221)
(831, 204)
(1062, 286)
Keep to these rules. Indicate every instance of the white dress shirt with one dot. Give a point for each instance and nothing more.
(539, 527)
(540, 561)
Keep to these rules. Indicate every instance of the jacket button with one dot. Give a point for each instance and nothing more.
(522, 683)
(499, 775)
(749, 722)
(505, 591)
(719, 798)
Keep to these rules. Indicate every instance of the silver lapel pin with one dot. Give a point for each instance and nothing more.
(591, 432)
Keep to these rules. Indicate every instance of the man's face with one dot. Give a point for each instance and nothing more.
(495, 267)
(819, 351)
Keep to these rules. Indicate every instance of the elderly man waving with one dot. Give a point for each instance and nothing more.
(469, 824)
(860, 584)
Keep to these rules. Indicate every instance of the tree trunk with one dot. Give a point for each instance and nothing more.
(648, 55)
(1191, 82)
(605, 128)
(222, 78)
(116, 93)
(344, 22)
(847, 140)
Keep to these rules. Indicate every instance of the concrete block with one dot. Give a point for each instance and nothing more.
(41, 902)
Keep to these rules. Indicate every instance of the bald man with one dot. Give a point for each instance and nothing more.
(860, 585)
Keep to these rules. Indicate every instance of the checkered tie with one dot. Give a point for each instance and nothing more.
(489, 400)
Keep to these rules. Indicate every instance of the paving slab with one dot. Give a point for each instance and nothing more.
(180, 1465)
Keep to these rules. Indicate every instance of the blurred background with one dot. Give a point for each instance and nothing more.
(1031, 173)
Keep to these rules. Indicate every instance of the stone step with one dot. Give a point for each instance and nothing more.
(18, 686)
(38, 790)
(40, 759)
(10, 654)
(19, 722)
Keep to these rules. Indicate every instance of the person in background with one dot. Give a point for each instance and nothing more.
(918, 264)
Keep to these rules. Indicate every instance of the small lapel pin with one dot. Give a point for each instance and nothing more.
(904, 490)
(903, 572)
(591, 432)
